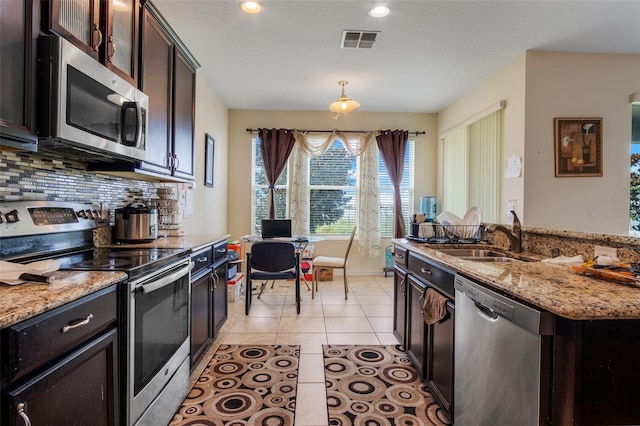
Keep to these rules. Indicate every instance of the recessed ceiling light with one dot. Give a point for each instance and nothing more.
(251, 6)
(379, 11)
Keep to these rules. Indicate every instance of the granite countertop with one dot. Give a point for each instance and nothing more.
(193, 242)
(23, 301)
(27, 300)
(555, 288)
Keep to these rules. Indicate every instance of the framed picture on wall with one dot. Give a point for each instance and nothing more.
(208, 162)
(578, 146)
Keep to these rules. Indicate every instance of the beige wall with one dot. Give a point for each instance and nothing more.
(579, 85)
(209, 204)
(239, 208)
(507, 84)
(539, 86)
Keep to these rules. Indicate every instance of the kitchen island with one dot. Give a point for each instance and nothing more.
(590, 347)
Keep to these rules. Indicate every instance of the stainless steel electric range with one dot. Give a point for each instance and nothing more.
(153, 301)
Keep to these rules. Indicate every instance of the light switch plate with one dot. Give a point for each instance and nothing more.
(605, 251)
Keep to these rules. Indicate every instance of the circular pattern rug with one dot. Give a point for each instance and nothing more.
(244, 385)
(376, 386)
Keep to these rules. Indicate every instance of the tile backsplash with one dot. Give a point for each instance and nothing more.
(28, 176)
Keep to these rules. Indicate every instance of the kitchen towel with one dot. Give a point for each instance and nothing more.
(564, 260)
(10, 272)
(434, 306)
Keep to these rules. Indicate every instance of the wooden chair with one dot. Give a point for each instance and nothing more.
(320, 262)
(272, 260)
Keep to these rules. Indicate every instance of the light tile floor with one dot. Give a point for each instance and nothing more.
(366, 317)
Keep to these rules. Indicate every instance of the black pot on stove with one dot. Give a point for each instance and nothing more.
(136, 223)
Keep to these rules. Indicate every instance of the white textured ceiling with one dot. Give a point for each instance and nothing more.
(428, 53)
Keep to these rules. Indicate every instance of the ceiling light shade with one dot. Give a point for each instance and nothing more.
(343, 104)
(251, 6)
(379, 11)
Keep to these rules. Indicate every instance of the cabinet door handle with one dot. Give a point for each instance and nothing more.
(403, 285)
(401, 256)
(20, 407)
(202, 259)
(97, 30)
(176, 162)
(215, 281)
(426, 271)
(113, 48)
(78, 324)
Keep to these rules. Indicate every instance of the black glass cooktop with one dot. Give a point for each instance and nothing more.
(134, 261)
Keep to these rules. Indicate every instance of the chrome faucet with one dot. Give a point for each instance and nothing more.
(514, 234)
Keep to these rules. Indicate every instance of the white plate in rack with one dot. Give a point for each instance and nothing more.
(472, 217)
(471, 222)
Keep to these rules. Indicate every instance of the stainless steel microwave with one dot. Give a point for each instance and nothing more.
(84, 110)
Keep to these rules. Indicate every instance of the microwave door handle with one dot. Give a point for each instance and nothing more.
(164, 281)
(138, 122)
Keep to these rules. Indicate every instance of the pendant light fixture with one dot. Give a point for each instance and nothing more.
(343, 104)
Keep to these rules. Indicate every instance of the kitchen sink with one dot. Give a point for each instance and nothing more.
(488, 259)
(479, 255)
(473, 253)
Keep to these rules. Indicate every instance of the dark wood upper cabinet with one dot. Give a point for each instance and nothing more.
(156, 81)
(167, 76)
(17, 75)
(183, 116)
(120, 52)
(106, 30)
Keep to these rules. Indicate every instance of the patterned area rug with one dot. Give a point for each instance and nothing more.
(375, 386)
(244, 385)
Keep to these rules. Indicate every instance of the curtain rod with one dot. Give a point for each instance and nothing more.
(415, 133)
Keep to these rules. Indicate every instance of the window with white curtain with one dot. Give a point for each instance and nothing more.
(471, 168)
(333, 182)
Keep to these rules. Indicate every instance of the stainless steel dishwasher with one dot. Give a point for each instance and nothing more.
(497, 358)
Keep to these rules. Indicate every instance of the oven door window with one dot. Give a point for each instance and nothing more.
(161, 327)
(93, 107)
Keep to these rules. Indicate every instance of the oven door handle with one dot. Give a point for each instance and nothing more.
(164, 281)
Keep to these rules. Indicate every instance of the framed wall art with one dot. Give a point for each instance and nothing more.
(209, 157)
(578, 146)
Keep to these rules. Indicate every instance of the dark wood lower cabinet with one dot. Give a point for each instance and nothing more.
(400, 304)
(416, 328)
(220, 297)
(201, 314)
(595, 379)
(208, 297)
(82, 389)
(440, 356)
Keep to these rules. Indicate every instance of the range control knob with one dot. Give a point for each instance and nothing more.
(12, 216)
(81, 214)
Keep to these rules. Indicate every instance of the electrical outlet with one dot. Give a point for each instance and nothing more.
(605, 251)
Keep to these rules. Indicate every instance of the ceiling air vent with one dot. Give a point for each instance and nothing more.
(358, 39)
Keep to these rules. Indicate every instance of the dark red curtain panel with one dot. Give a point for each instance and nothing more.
(275, 146)
(392, 145)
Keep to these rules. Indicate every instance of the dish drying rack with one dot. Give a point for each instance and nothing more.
(438, 233)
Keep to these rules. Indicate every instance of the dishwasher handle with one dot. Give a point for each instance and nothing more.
(486, 311)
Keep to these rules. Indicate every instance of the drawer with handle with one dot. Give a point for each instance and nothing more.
(437, 275)
(38, 340)
(201, 259)
(400, 255)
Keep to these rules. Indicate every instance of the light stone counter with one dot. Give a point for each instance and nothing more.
(555, 288)
(193, 242)
(27, 300)
(24, 301)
